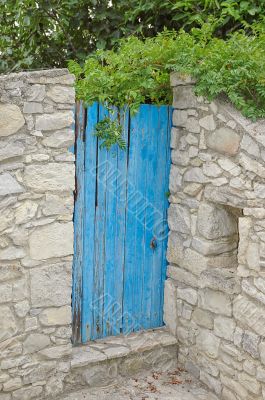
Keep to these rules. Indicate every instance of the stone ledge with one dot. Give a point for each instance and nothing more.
(51, 72)
(121, 346)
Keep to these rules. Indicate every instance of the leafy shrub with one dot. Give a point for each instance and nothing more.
(41, 33)
(138, 71)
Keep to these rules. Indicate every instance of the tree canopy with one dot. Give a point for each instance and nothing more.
(47, 33)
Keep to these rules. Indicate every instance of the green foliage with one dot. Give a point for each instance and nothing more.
(42, 34)
(150, 17)
(138, 70)
(109, 133)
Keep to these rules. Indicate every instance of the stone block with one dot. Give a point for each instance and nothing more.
(20, 290)
(249, 314)
(57, 205)
(211, 248)
(220, 279)
(195, 175)
(179, 218)
(175, 135)
(36, 93)
(51, 122)
(99, 375)
(224, 140)
(35, 342)
(250, 146)
(56, 316)
(229, 166)
(211, 169)
(9, 185)
(249, 367)
(52, 240)
(170, 306)
(216, 302)
(11, 119)
(192, 125)
(57, 352)
(215, 222)
(250, 343)
(180, 118)
(252, 291)
(208, 123)
(55, 385)
(62, 94)
(175, 249)
(177, 79)
(260, 284)
(175, 179)
(12, 384)
(224, 327)
(50, 286)
(252, 165)
(180, 157)
(60, 139)
(25, 212)
(8, 326)
(40, 373)
(182, 276)
(32, 108)
(6, 220)
(12, 253)
(207, 343)
(27, 393)
(22, 308)
(49, 177)
(203, 318)
(184, 97)
(250, 383)
(9, 272)
(235, 386)
(187, 294)
(11, 150)
(261, 374)
(212, 383)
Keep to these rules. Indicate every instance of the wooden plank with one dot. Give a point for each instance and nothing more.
(114, 236)
(100, 231)
(151, 167)
(89, 205)
(166, 170)
(160, 203)
(134, 242)
(78, 225)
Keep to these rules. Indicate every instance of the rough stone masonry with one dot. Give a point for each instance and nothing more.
(36, 231)
(37, 359)
(215, 291)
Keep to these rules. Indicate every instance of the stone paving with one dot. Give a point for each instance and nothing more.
(176, 384)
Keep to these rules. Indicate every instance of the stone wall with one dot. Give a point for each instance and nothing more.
(36, 232)
(215, 292)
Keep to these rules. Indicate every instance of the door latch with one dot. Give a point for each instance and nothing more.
(153, 243)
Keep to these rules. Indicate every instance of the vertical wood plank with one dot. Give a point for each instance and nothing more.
(160, 203)
(89, 206)
(78, 225)
(114, 235)
(100, 243)
(166, 171)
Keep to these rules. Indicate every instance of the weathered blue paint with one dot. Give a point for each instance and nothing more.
(120, 217)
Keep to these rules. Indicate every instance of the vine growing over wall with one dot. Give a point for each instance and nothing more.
(138, 71)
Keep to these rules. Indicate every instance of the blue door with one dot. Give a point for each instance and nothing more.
(120, 224)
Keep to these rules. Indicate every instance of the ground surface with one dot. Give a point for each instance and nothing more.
(174, 385)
